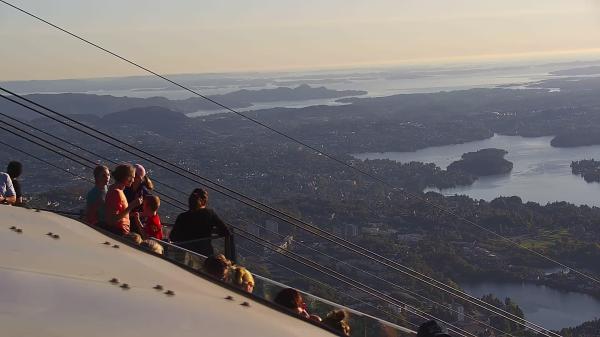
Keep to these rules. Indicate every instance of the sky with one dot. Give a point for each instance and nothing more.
(200, 36)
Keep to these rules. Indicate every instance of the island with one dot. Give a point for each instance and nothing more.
(484, 162)
(589, 169)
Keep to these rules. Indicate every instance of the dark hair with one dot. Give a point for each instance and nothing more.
(431, 329)
(289, 298)
(216, 266)
(14, 169)
(197, 196)
(338, 320)
(98, 170)
(123, 171)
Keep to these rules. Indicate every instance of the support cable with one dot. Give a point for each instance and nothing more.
(323, 284)
(346, 280)
(414, 293)
(284, 216)
(29, 125)
(167, 200)
(295, 140)
(279, 265)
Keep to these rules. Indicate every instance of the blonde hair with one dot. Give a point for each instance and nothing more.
(153, 246)
(135, 237)
(242, 277)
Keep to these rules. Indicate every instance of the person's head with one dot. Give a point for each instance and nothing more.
(217, 266)
(101, 175)
(140, 173)
(338, 320)
(431, 329)
(153, 246)
(243, 278)
(198, 199)
(150, 205)
(124, 174)
(291, 299)
(14, 169)
(134, 237)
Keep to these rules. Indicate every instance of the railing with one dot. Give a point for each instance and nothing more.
(361, 324)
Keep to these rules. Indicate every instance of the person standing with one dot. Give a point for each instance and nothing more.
(141, 186)
(194, 228)
(116, 207)
(95, 199)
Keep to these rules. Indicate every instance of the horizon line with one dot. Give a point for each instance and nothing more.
(558, 56)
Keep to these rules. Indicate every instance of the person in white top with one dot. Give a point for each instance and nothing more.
(7, 191)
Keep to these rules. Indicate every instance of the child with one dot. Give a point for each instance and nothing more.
(152, 227)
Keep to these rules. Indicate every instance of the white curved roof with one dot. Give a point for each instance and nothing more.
(60, 287)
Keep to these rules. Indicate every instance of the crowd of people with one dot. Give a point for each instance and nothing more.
(129, 208)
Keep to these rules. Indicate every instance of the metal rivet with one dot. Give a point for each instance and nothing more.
(56, 236)
(106, 243)
(114, 280)
(115, 246)
(169, 292)
(229, 298)
(19, 230)
(125, 286)
(158, 287)
(245, 304)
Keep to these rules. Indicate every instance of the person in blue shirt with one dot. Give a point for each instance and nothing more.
(94, 212)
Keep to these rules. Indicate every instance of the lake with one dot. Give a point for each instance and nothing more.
(541, 173)
(542, 305)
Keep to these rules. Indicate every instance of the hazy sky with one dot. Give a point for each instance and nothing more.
(185, 36)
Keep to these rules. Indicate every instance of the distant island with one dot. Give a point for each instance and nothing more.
(101, 105)
(589, 169)
(484, 162)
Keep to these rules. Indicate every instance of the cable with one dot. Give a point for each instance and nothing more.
(331, 157)
(323, 284)
(168, 200)
(46, 162)
(1, 127)
(36, 143)
(414, 293)
(344, 279)
(82, 149)
(285, 217)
